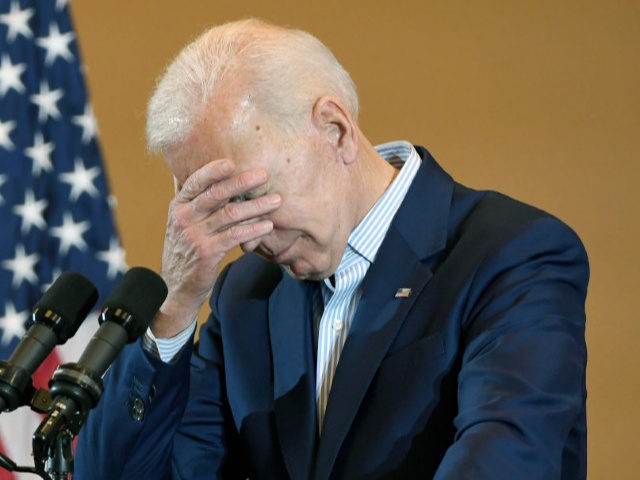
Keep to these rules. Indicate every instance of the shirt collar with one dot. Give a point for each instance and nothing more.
(367, 237)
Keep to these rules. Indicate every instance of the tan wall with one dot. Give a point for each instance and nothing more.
(539, 100)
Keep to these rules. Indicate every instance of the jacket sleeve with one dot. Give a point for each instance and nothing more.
(129, 435)
(161, 421)
(521, 387)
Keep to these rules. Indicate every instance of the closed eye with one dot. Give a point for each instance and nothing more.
(246, 196)
(240, 198)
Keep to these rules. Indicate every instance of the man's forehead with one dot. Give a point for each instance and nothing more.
(240, 134)
(188, 162)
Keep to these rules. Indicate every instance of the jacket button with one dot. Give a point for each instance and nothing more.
(137, 409)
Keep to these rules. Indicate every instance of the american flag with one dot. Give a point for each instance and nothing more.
(55, 208)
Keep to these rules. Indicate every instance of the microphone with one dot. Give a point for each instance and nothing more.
(125, 317)
(55, 318)
(77, 387)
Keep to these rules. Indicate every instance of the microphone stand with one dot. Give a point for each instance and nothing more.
(74, 390)
(53, 441)
(53, 450)
(60, 460)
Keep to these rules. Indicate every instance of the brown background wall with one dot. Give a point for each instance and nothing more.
(539, 100)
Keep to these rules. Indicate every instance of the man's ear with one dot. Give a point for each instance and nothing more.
(335, 127)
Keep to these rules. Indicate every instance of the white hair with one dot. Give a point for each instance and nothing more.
(285, 72)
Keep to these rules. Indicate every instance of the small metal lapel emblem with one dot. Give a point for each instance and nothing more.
(403, 293)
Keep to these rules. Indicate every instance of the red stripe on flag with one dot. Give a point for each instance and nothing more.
(4, 474)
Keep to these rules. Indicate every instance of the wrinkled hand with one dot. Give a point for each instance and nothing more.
(203, 226)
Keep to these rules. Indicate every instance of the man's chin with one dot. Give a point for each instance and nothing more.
(292, 273)
(301, 274)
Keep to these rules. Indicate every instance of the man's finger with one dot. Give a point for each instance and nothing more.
(210, 173)
(242, 212)
(225, 190)
(241, 233)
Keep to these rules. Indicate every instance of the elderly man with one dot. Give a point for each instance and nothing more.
(385, 321)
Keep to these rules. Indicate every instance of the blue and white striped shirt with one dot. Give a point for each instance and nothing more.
(340, 299)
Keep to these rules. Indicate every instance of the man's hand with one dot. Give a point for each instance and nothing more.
(203, 226)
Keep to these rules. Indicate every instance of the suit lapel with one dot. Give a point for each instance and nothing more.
(418, 232)
(290, 327)
(379, 316)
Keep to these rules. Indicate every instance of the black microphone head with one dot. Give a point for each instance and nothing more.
(66, 304)
(135, 301)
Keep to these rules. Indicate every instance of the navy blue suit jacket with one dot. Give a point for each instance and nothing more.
(478, 374)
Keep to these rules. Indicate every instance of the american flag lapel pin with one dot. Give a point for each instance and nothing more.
(403, 293)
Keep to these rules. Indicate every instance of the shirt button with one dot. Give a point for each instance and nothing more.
(337, 325)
